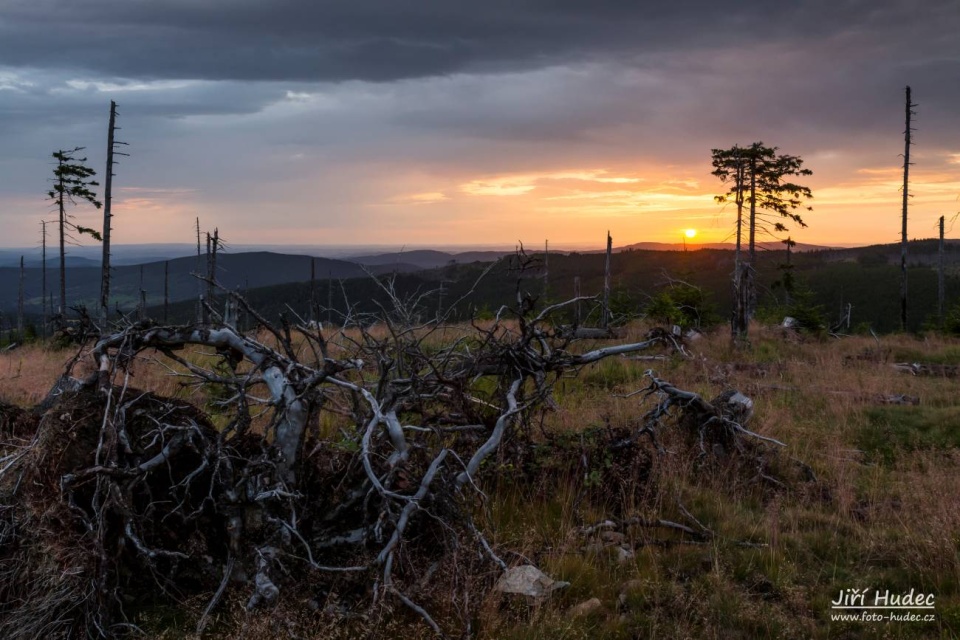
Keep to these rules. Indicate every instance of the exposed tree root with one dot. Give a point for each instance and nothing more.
(122, 497)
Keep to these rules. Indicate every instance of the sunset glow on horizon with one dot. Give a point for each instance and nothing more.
(571, 207)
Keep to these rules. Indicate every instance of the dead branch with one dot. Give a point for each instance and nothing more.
(921, 369)
(417, 417)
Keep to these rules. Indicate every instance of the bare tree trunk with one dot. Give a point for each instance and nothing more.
(205, 296)
(440, 300)
(753, 210)
(63, 253)
(903, 230)
(941, 289)
(606, 284)
(142, 303)
(741, 288)
(546, 268)
(43, 268)
(209, 289)
(313, 290)
(215, 244)
(200, 314)
(787, 296)
(576, 294)
(752, 269)
(739, 184)
(107, 199)
(289, 426)
(230, 313)
(737, 326)
(166, 291)
(20, 305)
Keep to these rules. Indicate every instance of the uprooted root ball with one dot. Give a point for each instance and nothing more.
(77, 545)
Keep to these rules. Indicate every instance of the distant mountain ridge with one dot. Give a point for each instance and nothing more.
(257, 269)
(691, 246)
(124, 255)
(54, 263)
(234, 271)
(429, 258)
(865, 277)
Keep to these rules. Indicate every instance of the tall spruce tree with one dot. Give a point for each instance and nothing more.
(730, 165)
(71, 185)
(757, 175)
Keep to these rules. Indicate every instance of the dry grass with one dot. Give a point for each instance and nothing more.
(886, 519)
(884, 513)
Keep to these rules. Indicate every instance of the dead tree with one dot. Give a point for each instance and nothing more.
(213, 246)
(166, 290)
(788, 272)
(605, 321)
(376, 380)
(329, 298)
(197, 270)
(312, 314)
(207, 302)
(576, 294)
(267, 497)
(43, 277)
(546, 268)
(941, 289)
(722, 420)
(20, 304)
(141, 310)
(211, 270)
(903, 226)
(112, 144)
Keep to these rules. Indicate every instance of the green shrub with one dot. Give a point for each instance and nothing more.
(682, 304)
(951, 320)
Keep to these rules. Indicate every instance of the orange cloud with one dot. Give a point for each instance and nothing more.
(517, 185)
(430, 197)
(498, 187)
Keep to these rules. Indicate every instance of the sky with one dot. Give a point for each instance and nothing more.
(440, 122)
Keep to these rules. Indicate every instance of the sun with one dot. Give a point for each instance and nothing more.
(690, 233)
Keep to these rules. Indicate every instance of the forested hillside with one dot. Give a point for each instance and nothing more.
(865, 278)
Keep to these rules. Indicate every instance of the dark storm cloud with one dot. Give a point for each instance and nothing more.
(381, 40)
(56, 101)
(325, 111)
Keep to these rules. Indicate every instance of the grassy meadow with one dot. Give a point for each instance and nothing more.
(871, 499)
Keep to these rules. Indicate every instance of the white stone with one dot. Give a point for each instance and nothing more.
(527, 580)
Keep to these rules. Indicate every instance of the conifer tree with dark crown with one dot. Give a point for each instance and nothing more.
(71, 185)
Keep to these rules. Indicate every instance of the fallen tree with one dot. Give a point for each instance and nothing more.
(337, 457)
(927, 369)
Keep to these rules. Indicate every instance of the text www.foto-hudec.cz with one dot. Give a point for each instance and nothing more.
(882, 605)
